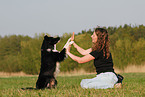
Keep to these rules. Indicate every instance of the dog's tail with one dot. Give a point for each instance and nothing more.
(29, 88)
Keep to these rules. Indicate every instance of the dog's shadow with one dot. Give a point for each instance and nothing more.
(29, 88)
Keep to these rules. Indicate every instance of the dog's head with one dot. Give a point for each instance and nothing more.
(49, 42)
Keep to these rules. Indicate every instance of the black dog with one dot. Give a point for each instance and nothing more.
(49, 66)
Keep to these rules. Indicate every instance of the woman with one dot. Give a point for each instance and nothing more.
(105, 78)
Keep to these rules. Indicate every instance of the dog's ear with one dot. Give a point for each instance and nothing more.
(55, 40)
(45, 36)
(51, 40)
(48, 38)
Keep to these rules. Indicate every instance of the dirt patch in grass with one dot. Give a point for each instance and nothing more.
(131, 69)
(6, 74)
(128, 69)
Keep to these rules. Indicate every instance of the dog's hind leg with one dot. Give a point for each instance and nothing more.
(51, 84)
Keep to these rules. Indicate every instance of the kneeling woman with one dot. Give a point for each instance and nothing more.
(105, 78)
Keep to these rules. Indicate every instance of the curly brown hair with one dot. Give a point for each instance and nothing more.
(102, 42)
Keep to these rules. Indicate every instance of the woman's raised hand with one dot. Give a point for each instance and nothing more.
(72, 37)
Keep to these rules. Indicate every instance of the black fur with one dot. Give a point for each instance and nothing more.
(49, 58)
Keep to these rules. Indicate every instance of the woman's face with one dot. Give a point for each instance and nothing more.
(94, 37)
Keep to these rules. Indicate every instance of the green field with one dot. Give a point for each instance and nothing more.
(69, 86)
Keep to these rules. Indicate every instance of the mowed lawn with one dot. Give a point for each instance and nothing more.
(69, 86)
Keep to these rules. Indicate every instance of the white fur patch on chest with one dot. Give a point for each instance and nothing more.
(54, 50)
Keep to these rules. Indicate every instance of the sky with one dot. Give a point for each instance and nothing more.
(56, 17)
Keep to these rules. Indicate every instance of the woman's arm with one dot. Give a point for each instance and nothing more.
(81, 50)
(83, 59)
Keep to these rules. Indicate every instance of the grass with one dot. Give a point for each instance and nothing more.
(69, 86)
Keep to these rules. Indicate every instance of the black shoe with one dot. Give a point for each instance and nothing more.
(120, 78)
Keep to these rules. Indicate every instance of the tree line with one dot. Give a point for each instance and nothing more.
(22, 53)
